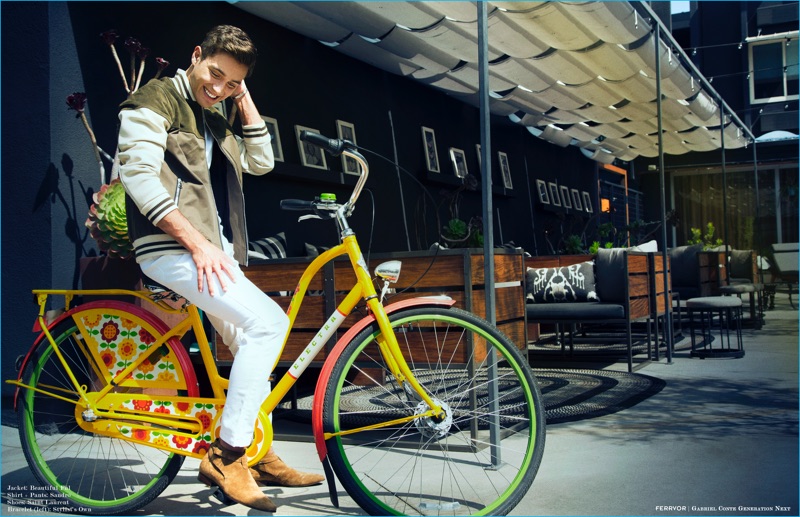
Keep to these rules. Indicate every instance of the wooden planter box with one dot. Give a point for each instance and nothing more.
(456, 273)
(712, 272)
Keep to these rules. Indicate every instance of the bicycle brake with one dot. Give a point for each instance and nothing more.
(410, 393)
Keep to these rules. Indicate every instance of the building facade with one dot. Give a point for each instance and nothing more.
(749, 53)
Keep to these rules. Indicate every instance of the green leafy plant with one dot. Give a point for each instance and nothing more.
(459, 234)
(707, 240)
(107, 222)
(573, 245)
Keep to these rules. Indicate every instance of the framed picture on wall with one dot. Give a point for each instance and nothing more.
(587, 202)
(555, 197)
(347, 131)
(576, 199)
(429, 145)
(272, 127)
(541, 188)
(459, 162)
(505, 170)
(310, 155)
(566, 202)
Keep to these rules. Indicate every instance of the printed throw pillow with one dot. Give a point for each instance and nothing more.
(314, 251)
(562, 284)
(269, 247)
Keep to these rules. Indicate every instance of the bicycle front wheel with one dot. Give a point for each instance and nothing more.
(83, 472)
(479, 459)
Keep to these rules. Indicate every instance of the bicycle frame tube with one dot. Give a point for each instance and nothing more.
(348, 246)
(364, 289)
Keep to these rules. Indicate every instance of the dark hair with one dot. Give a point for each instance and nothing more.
(231, 40)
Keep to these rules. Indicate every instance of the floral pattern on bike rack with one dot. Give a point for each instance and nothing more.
(206, 413)
(115, 342)
(197, 446)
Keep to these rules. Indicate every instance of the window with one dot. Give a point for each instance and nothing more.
(773, 66)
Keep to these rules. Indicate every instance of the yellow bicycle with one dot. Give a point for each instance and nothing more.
(420, 408)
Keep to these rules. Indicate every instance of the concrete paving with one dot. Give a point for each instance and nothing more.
(720, 439)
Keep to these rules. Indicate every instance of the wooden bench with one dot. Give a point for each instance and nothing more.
(623, 284)
(456, 273)
(696, 272)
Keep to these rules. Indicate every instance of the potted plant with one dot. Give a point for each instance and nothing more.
(107, 223)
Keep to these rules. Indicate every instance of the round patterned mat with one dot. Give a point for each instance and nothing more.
(568, 395)
(571, 395)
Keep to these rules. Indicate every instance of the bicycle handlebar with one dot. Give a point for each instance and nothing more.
(334, 147)
(300, 205)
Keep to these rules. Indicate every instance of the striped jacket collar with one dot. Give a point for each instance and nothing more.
(182, 84)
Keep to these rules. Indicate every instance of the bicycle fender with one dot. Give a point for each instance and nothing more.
(147, 316)
(336, 352)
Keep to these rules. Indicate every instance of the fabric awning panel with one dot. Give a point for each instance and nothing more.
(583, 71)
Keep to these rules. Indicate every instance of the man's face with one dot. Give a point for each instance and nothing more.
(213, 79)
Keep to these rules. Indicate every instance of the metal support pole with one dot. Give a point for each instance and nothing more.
(662, 188)
(488, 226)
(757, 233)
(399, 182)
(724, 194)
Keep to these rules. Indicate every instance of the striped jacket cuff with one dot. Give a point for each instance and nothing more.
(156, 212)
(255, 131)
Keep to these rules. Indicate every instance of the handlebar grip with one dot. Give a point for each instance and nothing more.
(333, 146)
(297, 205)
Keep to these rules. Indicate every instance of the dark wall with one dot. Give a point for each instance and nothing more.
(49, 172)
(28, 177)
(299, 81)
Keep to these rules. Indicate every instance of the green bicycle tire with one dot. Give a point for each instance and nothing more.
(82, 472)
(424, 466)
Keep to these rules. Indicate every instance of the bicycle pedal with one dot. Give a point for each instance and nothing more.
(222, 497)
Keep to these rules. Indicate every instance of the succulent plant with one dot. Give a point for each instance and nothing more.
(107, 222)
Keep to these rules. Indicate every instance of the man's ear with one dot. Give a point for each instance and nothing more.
(197, 55)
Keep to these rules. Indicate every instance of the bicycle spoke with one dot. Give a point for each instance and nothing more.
(444, 464)
(94, 473)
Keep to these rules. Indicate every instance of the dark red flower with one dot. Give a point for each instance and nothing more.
(162, 63)
(201, 446)
(133, 45)
(146, 337)
(77, 102)
(109, 36)
(109, 332)
(142, 52)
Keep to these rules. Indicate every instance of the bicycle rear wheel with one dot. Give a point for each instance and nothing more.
(480, 459)
(80, 471)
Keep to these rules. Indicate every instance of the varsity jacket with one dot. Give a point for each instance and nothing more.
(164, 167)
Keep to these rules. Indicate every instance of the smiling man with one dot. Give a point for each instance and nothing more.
(181, 165)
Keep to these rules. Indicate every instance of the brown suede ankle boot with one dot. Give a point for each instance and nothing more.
(228, 470)
(271, 470)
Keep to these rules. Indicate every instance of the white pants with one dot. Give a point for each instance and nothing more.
(250, 323)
